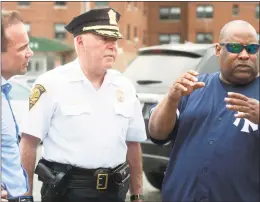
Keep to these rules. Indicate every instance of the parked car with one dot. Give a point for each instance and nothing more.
(152, 72)
(209, 63)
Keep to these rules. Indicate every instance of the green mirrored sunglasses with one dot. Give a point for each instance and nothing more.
(238, 48)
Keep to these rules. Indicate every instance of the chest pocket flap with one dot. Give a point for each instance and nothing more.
(75, 109)
(124, 109)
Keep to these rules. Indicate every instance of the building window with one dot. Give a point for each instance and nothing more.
(29, 67)
(257, 12)
(204, 38)
(128, 34)
(205, 11)
(24, 3)
(235, 10)
(101, 3)
(170, 13)
(135, 31)
(37, 66)
(27, 27)
(169, 38)
(59, 31)
(144, 10)
(144, 37)
(60, 3)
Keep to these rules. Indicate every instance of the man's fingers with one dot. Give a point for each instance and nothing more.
(234, 101)
(180, 87)
(237, 96)
(198, 85)
(194, 73)
(242, 115)
(191, 77)
(238, 108)
(184, 82)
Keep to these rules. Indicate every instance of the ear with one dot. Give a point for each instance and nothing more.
(217, 49)
(79, 40)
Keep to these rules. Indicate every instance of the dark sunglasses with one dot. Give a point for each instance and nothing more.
(238, 48)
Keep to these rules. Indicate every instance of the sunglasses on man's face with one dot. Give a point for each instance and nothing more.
(238, 48)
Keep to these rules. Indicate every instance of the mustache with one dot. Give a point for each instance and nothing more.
(110, 53)
(244, 65)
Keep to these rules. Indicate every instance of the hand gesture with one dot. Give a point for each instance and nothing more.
(185, 85)
(246, 107)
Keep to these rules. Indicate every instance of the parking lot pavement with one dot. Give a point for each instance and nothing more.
(151, 194)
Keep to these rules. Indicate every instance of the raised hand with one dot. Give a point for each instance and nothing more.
(185, 85)
(246, 107)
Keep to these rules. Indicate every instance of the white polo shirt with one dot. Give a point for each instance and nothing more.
(80, 125)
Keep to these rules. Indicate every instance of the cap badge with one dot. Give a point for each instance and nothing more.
(112, 17)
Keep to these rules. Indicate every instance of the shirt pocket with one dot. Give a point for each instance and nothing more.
(75, 121)
(75, 110)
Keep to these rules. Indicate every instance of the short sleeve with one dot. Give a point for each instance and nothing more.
(37, 120)
(136, 129)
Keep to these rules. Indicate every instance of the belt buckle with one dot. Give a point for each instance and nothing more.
(102, 177)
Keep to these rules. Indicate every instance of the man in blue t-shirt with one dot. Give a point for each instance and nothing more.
(213, 120)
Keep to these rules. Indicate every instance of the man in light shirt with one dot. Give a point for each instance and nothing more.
(15, 56)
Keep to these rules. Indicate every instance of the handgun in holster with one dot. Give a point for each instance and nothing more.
(121, 174)
(53, 184)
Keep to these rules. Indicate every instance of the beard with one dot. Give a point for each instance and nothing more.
(235, 77)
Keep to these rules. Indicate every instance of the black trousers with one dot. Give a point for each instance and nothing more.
(79, 193)
(90, 195)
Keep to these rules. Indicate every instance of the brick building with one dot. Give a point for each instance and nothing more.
(142, 23)
(197, 22)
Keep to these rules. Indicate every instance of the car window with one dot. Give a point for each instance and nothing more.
(19, 92)
(209, 62)
(155, 73)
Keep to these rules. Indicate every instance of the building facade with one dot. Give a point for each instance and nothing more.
(142, 23)
(197, 22)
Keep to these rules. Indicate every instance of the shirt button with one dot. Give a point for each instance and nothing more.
(211, 142)
(220, 118)
(204, 170)
(203, 198)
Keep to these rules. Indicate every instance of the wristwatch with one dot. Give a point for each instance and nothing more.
(137, 197)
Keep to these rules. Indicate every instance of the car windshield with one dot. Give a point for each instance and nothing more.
(19, 92)
(155, 73)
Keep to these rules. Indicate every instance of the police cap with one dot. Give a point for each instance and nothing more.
(102, 21)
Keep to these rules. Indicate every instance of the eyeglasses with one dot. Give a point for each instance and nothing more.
(238, 48)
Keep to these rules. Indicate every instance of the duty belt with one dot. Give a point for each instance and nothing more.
(100, 179)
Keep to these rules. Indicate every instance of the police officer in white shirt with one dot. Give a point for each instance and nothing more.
(89, 120)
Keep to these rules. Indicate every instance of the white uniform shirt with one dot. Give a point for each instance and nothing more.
(82, 126)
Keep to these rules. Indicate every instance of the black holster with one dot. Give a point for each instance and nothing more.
(121, 174)
(54, 182)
